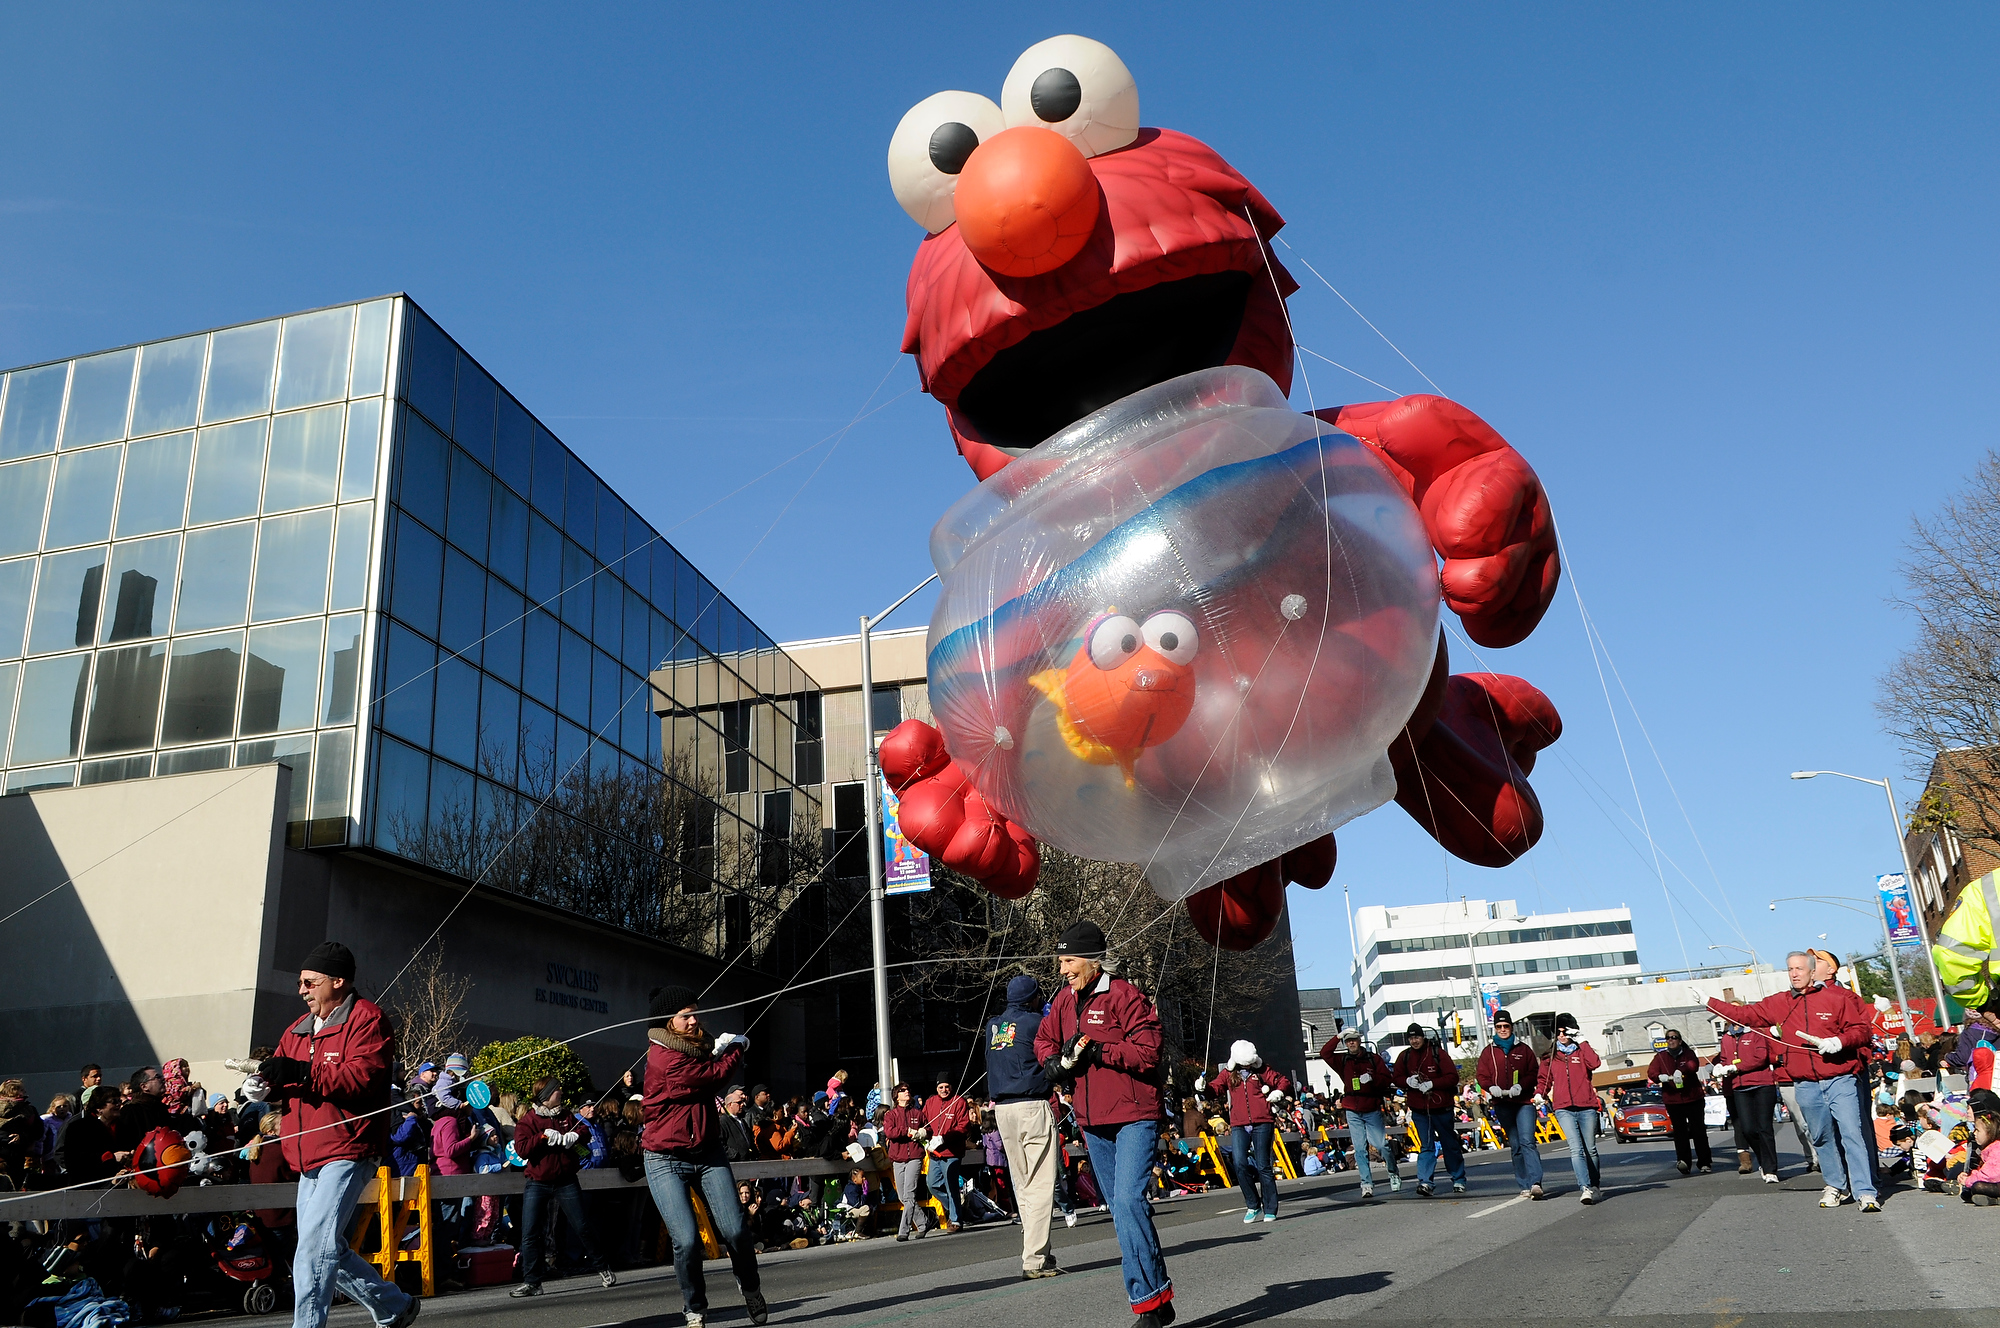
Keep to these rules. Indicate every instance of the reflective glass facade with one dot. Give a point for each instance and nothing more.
(333, 540)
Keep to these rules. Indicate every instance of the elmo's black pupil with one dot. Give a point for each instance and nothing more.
(951, 144)
(1128, 643)
(1055, 95)
(1169, 640)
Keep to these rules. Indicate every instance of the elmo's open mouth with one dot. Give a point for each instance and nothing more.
(1038, 387)
(1176, 277)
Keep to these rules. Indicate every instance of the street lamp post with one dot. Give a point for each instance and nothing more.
(1909, 878)
(878, 912)
(1888, 941)
(1755, 962)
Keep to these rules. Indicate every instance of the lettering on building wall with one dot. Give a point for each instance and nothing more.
(577, 979)
(543, 996)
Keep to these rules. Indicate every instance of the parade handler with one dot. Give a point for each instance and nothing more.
(1821, 1026)
(1101, 1040)
(1508, 1072)
(331, 1073)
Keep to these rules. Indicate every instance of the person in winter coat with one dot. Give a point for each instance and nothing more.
(1676, 1072)
(410, 1138)
(946, 1115)
(1364, 1078)
(903, 1140)
(1823, 1027)
(331, 1073)
(1750, 1077)
(683, 1141)
(1565, 1086)
(549, 1138)
(87, 1149)
(1249, 1085)
(1507, 1073)
(1429, 1080)
(1101, 1037)
(1021, 1116)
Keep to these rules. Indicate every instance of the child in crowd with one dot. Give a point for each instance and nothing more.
(1981, 1184)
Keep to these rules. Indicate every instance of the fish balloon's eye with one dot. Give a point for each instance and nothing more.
(1172, 635)
(1077, 87)
(929, 149)
(1114, 640)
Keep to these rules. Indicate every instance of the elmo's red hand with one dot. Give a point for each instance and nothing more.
(1483, 507)
(944, 815)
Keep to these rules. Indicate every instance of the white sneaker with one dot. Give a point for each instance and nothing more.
(1368, 1191)
(1871, 1205)
(1069, 1219)
(1395, 1181)
(1770, 1177)
(1458, 1187)
(1830, 1197)
(1589, 1196)
(693, 1318)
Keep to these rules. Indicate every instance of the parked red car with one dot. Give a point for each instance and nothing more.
(1642, 1116)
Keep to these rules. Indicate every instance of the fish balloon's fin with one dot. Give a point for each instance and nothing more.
(1049, 682)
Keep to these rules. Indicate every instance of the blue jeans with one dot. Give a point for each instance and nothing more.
(324, 1262)
(1250, 1149)
(568, 1197)
(1434, 1128)
(943, 1180)
(1122, 1158)
(1520, 1120)
(1580, 1127)
(1832, 1108)
(1365, 1128)
(672, 1179)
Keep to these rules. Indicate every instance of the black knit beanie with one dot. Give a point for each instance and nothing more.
(666, 1002)
(1082, 938)
(331, 958)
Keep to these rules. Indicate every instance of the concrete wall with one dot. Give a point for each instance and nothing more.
(156, 945)
(183, 929)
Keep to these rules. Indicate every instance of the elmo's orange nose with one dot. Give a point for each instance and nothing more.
(1026, 201)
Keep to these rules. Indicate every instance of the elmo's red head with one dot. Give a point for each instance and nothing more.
(1074, 257)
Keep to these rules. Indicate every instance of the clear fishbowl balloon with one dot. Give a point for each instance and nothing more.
(1183, 632)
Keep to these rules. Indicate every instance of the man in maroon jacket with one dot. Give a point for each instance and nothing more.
(1101, 1039)
(1508, 1072)
(331, 1073)
(1676, 1072)
(1364, 1079)
(685, 1068)
(1429, 1080)
(946, 1114)
(1822, 1026)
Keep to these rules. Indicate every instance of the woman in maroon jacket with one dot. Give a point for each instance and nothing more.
(1565, 1085)
(903, 1135)
(1508, 1072)
(685, 1068)
(1248, 1084)
(546, 1136)
(1751, 1077)
(1676, 1072)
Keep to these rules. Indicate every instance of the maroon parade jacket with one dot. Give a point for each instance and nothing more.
(1350, 1067)
(1661, 1072)
(1245, 1091)
(682, 1078)
(1123, 1084)
(327, 1119)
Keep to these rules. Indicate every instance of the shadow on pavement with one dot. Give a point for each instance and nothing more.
(1284, 1297)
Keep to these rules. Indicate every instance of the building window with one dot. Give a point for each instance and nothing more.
(774, 855)
(888, 708)
(735, 716)
(850, 831)
(809, 740)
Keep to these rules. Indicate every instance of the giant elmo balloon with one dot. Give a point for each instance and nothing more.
(1183, 625)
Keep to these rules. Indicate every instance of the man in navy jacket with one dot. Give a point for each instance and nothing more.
(1027, 1127)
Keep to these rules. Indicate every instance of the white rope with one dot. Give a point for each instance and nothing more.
(1363, 317)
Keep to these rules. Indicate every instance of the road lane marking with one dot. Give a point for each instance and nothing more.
(1519, 1198)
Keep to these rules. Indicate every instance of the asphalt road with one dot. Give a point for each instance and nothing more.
(1716, 1251)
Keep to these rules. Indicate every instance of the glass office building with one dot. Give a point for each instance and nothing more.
(332, 540)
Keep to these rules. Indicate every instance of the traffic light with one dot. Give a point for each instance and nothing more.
(1457, 1031)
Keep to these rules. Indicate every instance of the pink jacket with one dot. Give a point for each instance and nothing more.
(452, 1141)
(1989, 1167)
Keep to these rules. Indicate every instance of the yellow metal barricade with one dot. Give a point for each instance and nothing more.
(392, 1216)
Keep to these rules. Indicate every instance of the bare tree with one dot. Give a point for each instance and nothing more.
(429, 1014)
(1941, 698)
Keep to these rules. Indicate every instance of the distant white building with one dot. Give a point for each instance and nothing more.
(1417, 962)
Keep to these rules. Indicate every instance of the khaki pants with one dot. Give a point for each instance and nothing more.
(1028, 1130)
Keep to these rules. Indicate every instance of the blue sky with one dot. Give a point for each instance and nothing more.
(1726, 276)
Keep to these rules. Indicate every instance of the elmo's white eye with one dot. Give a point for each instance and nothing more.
(1113, 641)
(1172, 635)
(1077, 87)
(929, 149)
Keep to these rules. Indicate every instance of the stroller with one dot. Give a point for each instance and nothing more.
(233, 1269)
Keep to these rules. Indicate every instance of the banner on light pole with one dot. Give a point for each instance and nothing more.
(1899, 911)
(906, 869)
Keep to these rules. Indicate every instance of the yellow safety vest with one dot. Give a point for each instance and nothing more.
(1967, 953)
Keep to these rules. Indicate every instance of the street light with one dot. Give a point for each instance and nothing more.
(878, 913)
(1754, 960)
(1909, 877)
(1478, 991)
(1888, 941)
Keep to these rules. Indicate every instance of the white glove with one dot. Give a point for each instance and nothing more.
(1421, 1085)
(256, 1089)
(1828, 1046)
(1724, 1070)
(728, 1040)
(1677, 1078)
(569, 1138)
(1515, 1091)
(553, 1136)
(1362, 1079)
(1882, 1003)
(1201, 1083)
(1541, 1101)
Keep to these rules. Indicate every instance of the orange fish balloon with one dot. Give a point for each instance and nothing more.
(1129, 687)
